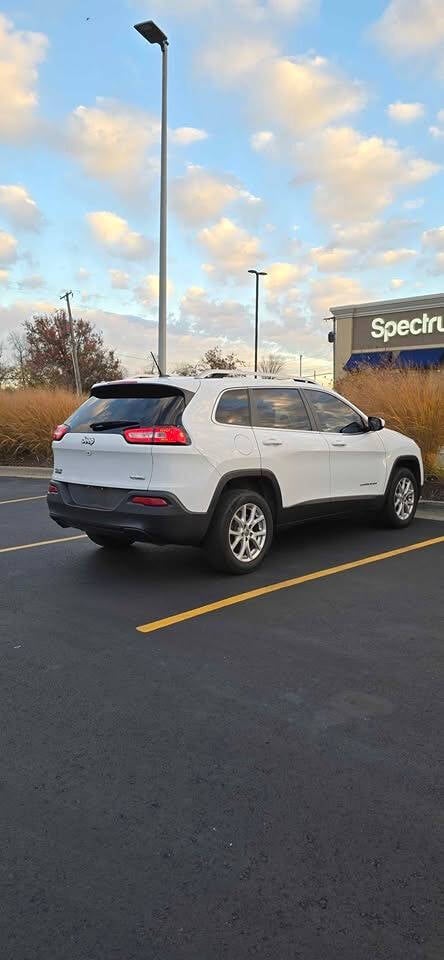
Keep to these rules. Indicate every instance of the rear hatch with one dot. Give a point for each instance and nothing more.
(94, 451)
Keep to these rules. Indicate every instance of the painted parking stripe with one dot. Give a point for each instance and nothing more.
(24, 499)
(42, 543)
(282, 585)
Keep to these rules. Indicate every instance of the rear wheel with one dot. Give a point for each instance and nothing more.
(241, 532)
(402, 498)
(111, 541)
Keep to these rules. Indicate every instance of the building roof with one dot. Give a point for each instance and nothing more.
(430, 301)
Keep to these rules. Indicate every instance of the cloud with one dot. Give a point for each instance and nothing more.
(8, 248)
(200, 196)
(33, 282)
(437, 265)
(119, 279)
(414, 204)
(18, 207)
(4, 278)
(111, 140)
(147, 292)
(396, 284)
(330, 259)
(83, 274)
(114, 235)
(410, 28)
(390, 257)
(297, 94)
(405, 112)
(437, 130)
(203, 315)
(433, 239)
(184, 136)
(229, 60)
(373, 235)
(282, 276)
(21, 51)
(304, 94)
(262, 140)
(231, 250)
(334, 291)
(357, 176)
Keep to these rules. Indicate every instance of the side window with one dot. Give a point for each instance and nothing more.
(333, 415)
(279, 409)
(234, 408)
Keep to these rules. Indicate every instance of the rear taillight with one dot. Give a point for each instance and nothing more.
(150, 501)
(53, 488)
(174, 436)
(59, 432)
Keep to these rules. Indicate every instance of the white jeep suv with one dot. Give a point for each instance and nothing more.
(221, 462)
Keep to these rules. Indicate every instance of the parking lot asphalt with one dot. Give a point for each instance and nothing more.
(261, 781)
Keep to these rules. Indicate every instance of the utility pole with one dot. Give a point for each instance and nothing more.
(75, 359)
(300, 364)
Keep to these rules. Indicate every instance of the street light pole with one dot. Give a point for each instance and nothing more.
(153, 34)
(257, 274)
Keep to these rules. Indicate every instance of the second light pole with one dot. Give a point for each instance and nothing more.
(151, 32)
(257, 274)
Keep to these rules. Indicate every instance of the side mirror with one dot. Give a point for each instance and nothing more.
(375, 423)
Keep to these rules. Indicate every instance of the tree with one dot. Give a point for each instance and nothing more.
(5, 370)
(19, 348)
(48, 352)
(273, 364)
(213, 359)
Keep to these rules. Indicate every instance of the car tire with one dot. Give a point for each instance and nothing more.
(401, 500)
(110, 541)
(229, 546)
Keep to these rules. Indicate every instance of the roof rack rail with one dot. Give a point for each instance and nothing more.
(255, 375)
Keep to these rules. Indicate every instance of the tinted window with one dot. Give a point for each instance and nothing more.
(333, 415)
(111, 413)
(233, 407)
(278, 408)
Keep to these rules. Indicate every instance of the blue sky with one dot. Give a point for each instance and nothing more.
(306, 138)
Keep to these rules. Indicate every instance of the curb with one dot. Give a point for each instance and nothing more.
(28, 473)
(431, 509)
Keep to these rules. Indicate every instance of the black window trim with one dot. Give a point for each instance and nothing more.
(306, 394)
(274, 386)
(221, 395)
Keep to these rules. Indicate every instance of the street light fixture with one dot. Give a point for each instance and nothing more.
(257, 274)
(153, 34)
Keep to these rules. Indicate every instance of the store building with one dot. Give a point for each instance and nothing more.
(401, 332)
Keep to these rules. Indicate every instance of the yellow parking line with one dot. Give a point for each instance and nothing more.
(24, 499)
(41, 543)
(282, 585)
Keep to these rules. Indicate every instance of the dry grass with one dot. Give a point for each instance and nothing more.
(27, 419)
(409, 400)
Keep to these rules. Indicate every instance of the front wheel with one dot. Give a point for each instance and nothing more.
(402, 499)
(241, 532)
(111, 541)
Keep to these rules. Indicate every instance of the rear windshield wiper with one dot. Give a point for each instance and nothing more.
(109, 424)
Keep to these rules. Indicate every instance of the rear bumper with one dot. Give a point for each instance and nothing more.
(171, 524)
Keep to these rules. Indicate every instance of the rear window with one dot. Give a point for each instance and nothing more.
(113, 408)
(234, 408)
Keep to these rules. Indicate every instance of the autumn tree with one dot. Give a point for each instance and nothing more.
(213, 359)
(5, 370)
(49, 358)
(273, 364)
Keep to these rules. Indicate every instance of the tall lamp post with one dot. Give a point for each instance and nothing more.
(153, 34)
(257, 274)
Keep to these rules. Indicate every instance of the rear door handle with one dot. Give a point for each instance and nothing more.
(339, 444)
(272, 443)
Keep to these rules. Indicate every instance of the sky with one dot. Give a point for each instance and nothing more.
(305, 139)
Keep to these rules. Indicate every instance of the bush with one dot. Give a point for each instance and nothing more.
(27, 420)
(409, 400)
